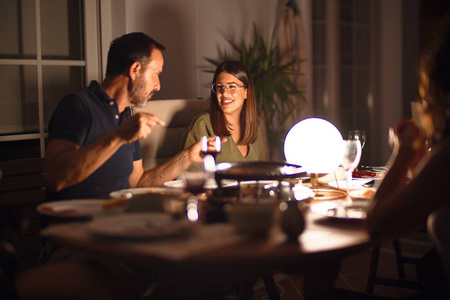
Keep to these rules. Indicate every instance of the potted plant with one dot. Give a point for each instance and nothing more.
(275, 90)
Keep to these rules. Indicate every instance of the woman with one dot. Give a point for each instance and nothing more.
(232, 114)
(402, 203)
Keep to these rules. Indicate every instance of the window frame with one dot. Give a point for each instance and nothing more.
(91, 63)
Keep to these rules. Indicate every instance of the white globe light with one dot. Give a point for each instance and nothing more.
(314, 144)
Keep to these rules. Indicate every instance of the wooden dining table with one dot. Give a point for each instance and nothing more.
(213, 255)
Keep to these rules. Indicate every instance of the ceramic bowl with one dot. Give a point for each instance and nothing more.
(251, 219)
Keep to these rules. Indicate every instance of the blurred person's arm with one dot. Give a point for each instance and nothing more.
(75, 280)
(399, 203)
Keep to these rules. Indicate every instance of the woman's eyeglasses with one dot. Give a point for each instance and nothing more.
(231, 88)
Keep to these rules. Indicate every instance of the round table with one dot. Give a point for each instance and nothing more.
(215, 255)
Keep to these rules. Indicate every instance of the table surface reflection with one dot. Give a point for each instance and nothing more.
(214, 256)
(218, 242)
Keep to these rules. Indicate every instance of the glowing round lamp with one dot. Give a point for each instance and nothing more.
(314, 144)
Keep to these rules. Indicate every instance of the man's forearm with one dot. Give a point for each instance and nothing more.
(167, 171)
(68, 164)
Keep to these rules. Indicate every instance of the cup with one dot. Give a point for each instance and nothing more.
(209, 156)
(175, 206)
(251, 219)
(194, 181)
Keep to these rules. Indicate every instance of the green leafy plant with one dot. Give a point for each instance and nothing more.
(275, 90)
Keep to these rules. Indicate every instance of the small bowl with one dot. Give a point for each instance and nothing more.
(251, 219)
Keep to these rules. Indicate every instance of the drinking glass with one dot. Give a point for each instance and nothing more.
(194, 181)
(351, 157)
(358, 134)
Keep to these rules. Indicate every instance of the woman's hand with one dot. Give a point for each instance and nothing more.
(410, 141)
(195, 151)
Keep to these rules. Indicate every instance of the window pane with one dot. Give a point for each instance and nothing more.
(362, 11)
(319, 10)
(319, 43)
(346, 45)
(347, 123)
(346, 89)
(319, 90)
(363, 120)
(362, 46)
(19, 101)
(18, 29)
(19, 150)
(58, 82)
(362, 88)
(346, 10)
(62, 30)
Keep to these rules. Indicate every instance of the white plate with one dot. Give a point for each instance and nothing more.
(362, 194)
(139, 226)
(356, 183)
(178, 184)
(72, 208)
(210, 184)
(343, 211)
(128, 193)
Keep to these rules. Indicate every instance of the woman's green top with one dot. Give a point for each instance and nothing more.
(201, 126)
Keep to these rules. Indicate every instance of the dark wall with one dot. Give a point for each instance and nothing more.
(430, 11)
(411, 50)
(419, 19)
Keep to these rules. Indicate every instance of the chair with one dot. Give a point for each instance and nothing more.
(164, 141)
(438, 225)
(401, 259)
(21, 191)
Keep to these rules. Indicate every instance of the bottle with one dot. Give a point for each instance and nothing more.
(292, 220)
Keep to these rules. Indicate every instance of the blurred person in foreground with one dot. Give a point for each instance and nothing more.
(93, 140)
(402, 203)
(62, 280)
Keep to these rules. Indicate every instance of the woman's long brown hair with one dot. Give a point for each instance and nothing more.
(248, 118)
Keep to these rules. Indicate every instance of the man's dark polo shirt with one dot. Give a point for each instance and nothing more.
(81, 118)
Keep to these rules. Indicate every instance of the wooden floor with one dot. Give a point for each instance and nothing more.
(354, 272)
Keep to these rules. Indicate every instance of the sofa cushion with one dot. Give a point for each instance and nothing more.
(164, 141)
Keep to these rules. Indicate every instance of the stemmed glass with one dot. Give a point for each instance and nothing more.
(194, 181)
(357, 134)
(351, 156)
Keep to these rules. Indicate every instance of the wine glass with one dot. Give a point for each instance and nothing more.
(351, 157)
(357, 134)
(194, 181)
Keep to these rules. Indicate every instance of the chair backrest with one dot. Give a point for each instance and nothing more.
(164, 142)
(438, 227)
(22, 189)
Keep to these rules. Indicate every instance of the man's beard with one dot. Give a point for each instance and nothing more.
(134, 93)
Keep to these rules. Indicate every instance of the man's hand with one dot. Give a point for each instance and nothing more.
(138, 126)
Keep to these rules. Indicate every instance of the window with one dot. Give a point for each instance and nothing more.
(42, 58)
(343, 66)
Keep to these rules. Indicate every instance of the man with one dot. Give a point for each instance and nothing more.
(93, 146)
